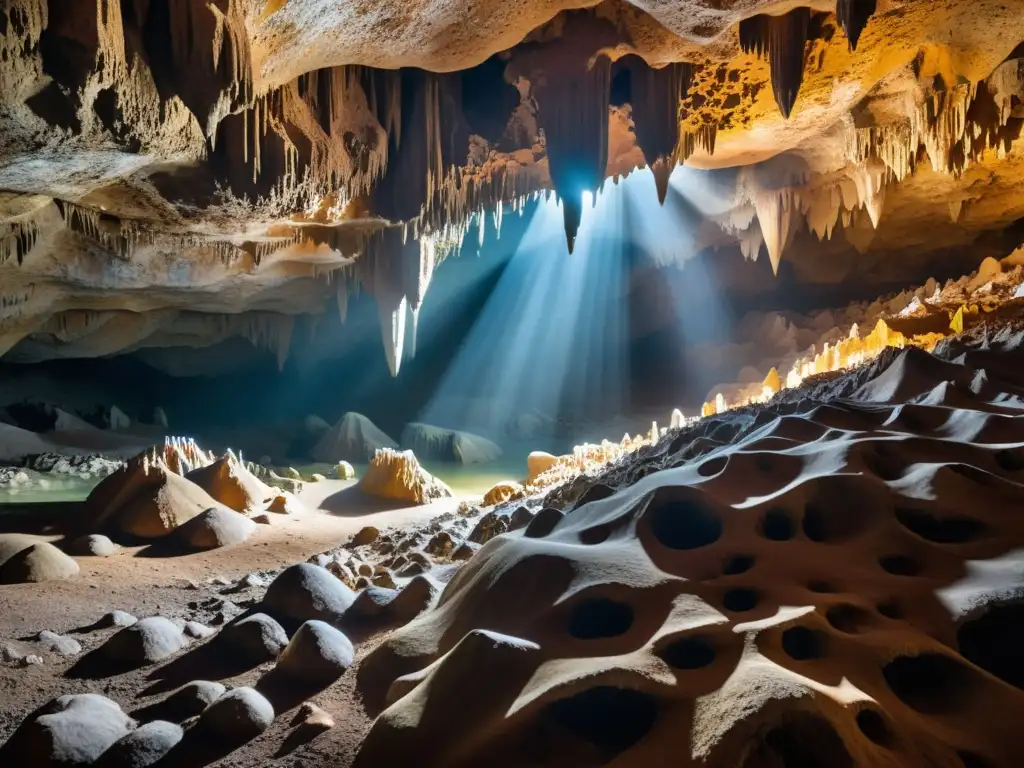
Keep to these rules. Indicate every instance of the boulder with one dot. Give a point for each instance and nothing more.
(354, 438)
(304, 591)
(502, 492)
(537, 463)
(440, 444)
(142, 747)
(284, 503)
(318, 653)
(399, 477)
(38, 562)
(366, 535)
(490, 525)
(313, 718)
(70, 730)
(93, 545)
(190, 700)
(257, 638)
(520, 518)
(216, 527)
(145, 642)
(115, 619)
(229, 481)
(238, 716)
(343, 471)
(65, 646)
(198, 631)
(165, 501)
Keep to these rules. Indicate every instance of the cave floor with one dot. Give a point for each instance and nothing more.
(187, 588)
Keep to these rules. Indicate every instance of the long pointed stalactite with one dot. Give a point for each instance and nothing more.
(656, 95)
(782, 39)
(853, 16)
(574, 115)
(570, 80)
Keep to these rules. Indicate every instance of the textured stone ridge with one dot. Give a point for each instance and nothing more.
(892, 125)
(830, 579)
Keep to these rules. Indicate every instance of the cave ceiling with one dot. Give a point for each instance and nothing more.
(179, 173)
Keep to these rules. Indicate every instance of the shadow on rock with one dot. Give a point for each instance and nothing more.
(352, 502)
(286, 692)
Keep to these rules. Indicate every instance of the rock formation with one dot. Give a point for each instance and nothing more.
(399, 476)
(815, 582)
(311, 152)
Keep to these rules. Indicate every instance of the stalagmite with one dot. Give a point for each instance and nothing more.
(782, 39)
(677, 419)
(853, 16)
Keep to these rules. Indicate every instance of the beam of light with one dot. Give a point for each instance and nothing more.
(550, 340)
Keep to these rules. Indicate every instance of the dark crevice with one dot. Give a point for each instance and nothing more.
(598, 618)
(994, 640)
(932, 683)
(611, 719)
(683, 523)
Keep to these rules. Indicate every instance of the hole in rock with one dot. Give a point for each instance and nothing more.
(688, 653)
(822, 587)
(544, 523)
(848, 618)
(891, 610)
(804, 644)
(737, 564)
(994, 640)
(803, 741)
(941, 530)
(932, 684)
(596, 535)
(595, 493)
(612, 719)
(777, 525)
(683, 522)
(873, 725)
(740, 600)
(829, 525)
(973, 759)
(599, 617)
(900, 565)
(712, 467)
(1011, 459)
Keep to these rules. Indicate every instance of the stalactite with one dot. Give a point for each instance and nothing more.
(342, 296)
(17, 238)
(574, 116)
(782, 39)
(774, 213)
(853, 16)
(657, 94)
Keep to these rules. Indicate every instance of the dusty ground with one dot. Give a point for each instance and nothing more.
(187, 588)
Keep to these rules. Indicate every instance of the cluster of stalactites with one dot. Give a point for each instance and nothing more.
(657, 94)
(123, 237)
(955, 125)
(269, 330)
(782, 39)
(209, 42)
(17, 238)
